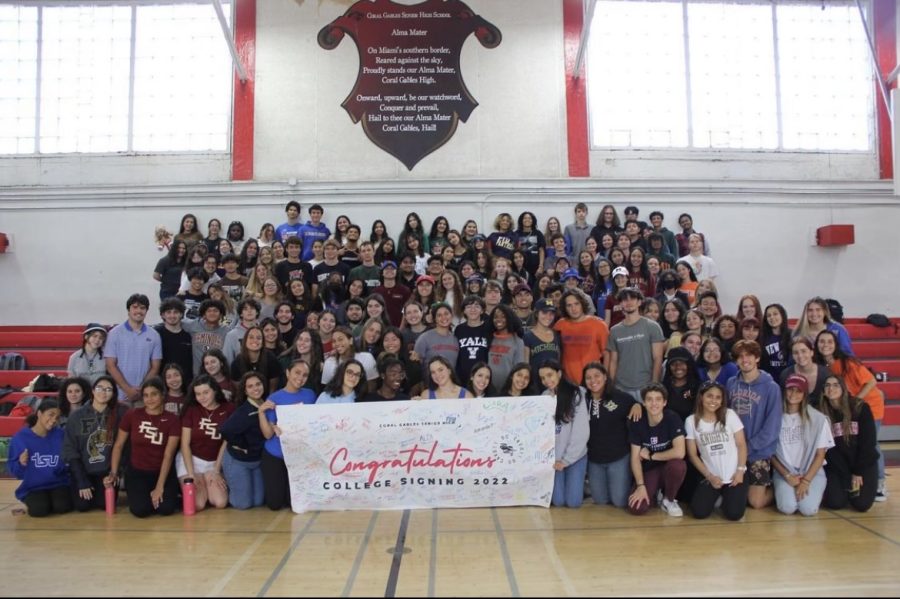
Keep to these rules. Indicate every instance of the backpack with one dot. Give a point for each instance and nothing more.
(878, 320)
(12, 361)
(46, 382)
(6, 408)
(26, 406)
(836, 310)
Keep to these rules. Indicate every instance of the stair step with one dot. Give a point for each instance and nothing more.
(41, 339)
(48, 328)
(10, 425)
(865, 350)
(57, 359)
(16, 396)
(889, 366)
(868, 331)
(20, 378)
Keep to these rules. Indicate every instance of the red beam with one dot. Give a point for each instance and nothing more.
(576, 95)
(242, 127)
(884, 18)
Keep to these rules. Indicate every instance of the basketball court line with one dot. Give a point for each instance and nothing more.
(354, 570)
(277, 571)
(504, 551)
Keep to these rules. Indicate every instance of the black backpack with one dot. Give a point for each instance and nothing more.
(12, 361)
(836, 310)
(46, 382)
(878, 320)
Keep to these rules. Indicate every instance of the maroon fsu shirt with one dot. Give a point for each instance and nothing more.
(149, 436)
(204, 424)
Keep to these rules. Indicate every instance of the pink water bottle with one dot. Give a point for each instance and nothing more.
(110, 497)
(189, 507)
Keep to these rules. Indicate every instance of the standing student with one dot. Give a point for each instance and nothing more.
(255, 357)
(583, 337)
(805, 437)
(718, 450)
(312, 230)
(636, 347)
(292, 267)
(503, 240)
(88, 361)
(657, 455)
(542, 341)
(473, 335)
(87, 446)
(274, 472)
(168, 269)
(176, 342)
(244, 444)
(576, 233)
(35, 459)
(392, 373)
(506, 347)
(851, 466)
(803, 357)
(344, 350)
(73, 394)
(248, 310)
(572, 432)
(438, 341)
(756, 399)
(292, 227)
(609, 452)
(347, 386)
(815, 318)
(776, 339)
(207, 333)
(176, 388)
(150, 482)
(531, 242)
(133, 350)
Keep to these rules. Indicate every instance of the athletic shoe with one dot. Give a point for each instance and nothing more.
(882, 493)
(671, 507)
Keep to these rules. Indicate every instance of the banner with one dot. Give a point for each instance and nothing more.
(420, 454)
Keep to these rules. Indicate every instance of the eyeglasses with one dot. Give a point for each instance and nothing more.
(104, 389)
(353, 373)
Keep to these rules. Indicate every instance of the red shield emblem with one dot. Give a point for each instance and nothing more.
(409, 93)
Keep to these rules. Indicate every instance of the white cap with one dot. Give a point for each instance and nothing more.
(620, 270)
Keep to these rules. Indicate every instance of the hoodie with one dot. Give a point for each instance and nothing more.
(308, 234)
(87, 446)
(758, 404)
(45, 469)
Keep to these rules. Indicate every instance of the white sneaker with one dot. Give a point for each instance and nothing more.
(881, 494)
(671, 507)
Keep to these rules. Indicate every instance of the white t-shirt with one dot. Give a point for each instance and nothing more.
(704, 266)
(715, 444)
(364, 358)
(791, 441)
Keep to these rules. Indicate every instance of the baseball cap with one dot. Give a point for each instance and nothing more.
(797, 381)
(520, 288)
(620, 270)
(388, 264)
(428, 278)
(571, 273)
(92, 327)
(545, 304)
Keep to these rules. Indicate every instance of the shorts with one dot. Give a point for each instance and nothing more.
(759, 473)
(200, 466)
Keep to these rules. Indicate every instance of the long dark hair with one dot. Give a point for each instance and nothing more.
(241, 395)
(64, 406)
(47, 404)
(203, 379)
(335, 387)
(566, 394)
(507, 385)
(607, 388)
(842, 359)
(112, 408)
(721, 412)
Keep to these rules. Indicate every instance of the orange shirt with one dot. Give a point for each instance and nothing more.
(690, 290)
(855, 377)
(581, 342)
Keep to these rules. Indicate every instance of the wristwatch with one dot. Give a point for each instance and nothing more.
(742, 468)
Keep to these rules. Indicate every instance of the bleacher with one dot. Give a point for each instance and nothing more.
(46, 349)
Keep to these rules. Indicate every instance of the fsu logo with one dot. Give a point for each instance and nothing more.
(409, 93)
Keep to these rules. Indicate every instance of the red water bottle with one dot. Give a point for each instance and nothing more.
(110, 497)
(189, 507)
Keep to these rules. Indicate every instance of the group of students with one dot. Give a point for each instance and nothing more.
(391, 332)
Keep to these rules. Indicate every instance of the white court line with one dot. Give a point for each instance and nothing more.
(239, 564)
(557, 564)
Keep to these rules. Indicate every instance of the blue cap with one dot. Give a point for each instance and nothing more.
(571, 273)
(387, 263)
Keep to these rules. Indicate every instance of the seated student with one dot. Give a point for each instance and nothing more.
(657, 454)
(718, 450)
(73, 393)
(392, 374)
(244, 444)
(274, 472)
(345, 350)
(254, 357)
(572, 432)
(805, 438)
(88, 361)
(851, 466)
(202, 447)
(348, 384)
(518, 383)
(714, 364)
(479, 382)
(45, 482)
(441, 381)
(150, 482)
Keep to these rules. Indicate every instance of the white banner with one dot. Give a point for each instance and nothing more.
(420, 454)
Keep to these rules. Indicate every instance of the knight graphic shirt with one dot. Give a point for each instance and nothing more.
(204, 425)
(44, 469)
(148, 435)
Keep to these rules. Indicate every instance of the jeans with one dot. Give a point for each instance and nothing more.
(245, 482)
(880, 453)
(667, 477)
(610, 482)
(568, 484)
(786, 497)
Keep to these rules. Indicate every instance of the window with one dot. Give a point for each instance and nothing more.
(125, 76)
(697, 74)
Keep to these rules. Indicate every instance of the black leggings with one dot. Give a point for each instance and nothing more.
(139, 484)
(48, 501)
(837, 494)
(734, 500)
(97, 502)
(275, 481)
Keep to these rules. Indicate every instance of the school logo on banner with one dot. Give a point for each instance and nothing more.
(420, 454)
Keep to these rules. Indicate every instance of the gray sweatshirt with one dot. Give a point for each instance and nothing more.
(572, 436)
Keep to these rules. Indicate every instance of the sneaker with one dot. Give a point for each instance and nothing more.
(718, 503)
(882, 493)
(659, 497)
(671, 507)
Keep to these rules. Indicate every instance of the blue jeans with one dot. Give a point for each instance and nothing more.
(786, 497)
(245, 482)
(610, 482)
(880, 453)
(568, 484)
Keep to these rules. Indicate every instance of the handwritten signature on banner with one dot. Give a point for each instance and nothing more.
(419, 454)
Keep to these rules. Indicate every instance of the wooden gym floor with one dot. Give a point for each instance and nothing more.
(475, 552)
